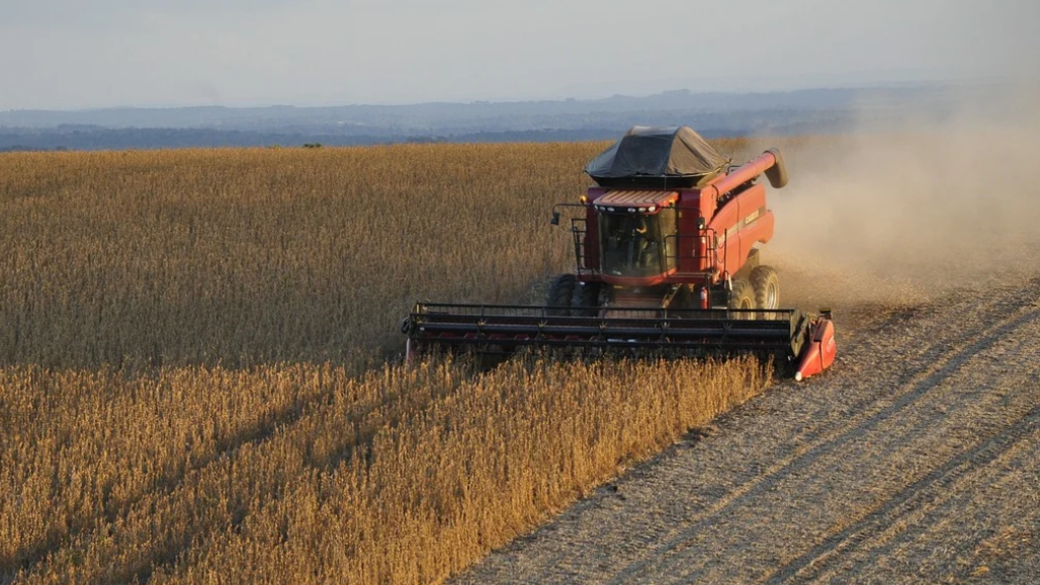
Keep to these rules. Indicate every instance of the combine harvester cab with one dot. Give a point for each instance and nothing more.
(666, 250)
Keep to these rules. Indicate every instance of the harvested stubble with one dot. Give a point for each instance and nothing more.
(183, 332)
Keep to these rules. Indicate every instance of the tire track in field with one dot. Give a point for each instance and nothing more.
(924, 382)
(933, 512)
(939, 433)
(933, 489)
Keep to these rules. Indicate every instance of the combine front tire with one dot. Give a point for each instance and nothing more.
(586, 299)
(767, 287)
(559, 296)
(742, 296)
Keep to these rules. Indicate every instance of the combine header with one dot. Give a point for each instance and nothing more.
(667, 259)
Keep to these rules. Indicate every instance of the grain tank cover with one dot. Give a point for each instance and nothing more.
(657, 157)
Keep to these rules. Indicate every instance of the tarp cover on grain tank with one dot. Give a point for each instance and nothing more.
(657, 157)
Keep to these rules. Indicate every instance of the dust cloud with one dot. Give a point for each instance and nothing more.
(906, 215)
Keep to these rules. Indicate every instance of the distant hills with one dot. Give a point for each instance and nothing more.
(712, 114)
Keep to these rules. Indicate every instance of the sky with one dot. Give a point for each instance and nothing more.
(72, 54)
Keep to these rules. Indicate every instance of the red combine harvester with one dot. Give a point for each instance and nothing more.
(667, 259)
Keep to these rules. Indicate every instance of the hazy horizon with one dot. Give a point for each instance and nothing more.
(166, 53)
(591, 94)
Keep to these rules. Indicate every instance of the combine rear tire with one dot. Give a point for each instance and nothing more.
(742, 296)
(586, 300)
(559, 296)
(767, 287)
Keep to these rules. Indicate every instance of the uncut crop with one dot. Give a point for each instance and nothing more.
(198, 376)
(245, 257)
(405, 475)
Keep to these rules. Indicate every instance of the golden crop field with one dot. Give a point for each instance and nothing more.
(199, 373)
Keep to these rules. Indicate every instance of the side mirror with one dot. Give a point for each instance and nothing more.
(555, 218)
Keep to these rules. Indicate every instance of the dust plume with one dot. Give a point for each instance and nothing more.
(904, 215)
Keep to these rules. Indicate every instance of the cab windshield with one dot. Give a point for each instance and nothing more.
(637, 244)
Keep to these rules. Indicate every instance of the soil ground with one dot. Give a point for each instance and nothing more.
(913, 460)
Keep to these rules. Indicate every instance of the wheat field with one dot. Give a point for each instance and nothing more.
(200, 377)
